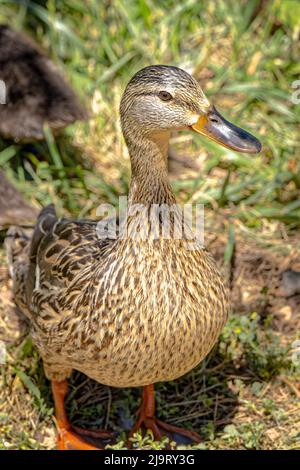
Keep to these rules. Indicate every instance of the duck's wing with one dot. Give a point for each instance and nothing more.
(14, 210)
(44, 263)
(35, 91)
(59, 250)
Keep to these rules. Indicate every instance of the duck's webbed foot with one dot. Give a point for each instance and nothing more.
(68, 440)
(72, 437)
(147, 420)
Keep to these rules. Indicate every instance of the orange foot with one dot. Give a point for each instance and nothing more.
(68, 440)
(147, 420)
(72, 437)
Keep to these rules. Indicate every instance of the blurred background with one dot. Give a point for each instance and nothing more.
(246, 57)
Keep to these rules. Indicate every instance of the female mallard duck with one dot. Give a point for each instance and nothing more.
(128, 311)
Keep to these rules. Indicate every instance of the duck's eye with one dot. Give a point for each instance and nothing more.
(165, 96)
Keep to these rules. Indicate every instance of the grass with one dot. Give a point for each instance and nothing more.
(241, 396)
(245, 55)
(246, 65)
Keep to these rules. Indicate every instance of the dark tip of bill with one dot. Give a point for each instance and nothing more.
(248, 143)
(255, 145)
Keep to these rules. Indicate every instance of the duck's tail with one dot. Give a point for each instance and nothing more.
(21, 242)
(15, 214)
(17, 246)
(17, 243)
(21, 245)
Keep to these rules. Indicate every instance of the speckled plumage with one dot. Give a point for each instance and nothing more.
(126, 312)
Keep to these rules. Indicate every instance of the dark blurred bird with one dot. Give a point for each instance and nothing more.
(36, 92)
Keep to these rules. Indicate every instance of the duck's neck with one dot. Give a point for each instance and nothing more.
(149, 166)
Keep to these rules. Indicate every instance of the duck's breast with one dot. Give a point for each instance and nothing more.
(158, 314)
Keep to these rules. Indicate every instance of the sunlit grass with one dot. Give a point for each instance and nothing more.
(246, 60)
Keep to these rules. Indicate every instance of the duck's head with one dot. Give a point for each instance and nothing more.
(163, 98)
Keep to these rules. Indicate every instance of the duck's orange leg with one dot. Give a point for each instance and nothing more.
(68, 435)
(147, 420)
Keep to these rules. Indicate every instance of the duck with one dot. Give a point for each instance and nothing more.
(35, 95)
(135, 307)
(35, 91)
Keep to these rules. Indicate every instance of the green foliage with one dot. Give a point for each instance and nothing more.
(248, 341)
(249, 52)
(246, 435)
(288, 12)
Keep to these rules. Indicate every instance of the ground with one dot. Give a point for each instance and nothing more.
(246, 394)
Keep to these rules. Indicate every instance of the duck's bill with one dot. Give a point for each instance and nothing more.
(217, 128)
